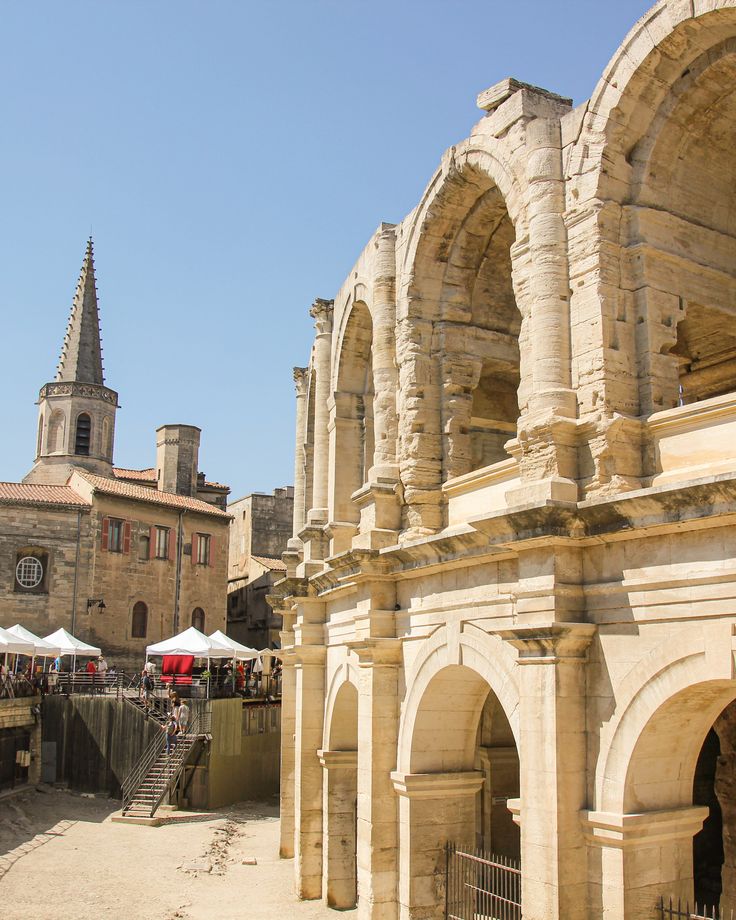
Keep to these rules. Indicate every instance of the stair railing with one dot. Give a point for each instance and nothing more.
(190, 739)
(149, 757)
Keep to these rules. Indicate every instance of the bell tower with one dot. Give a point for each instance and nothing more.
(76, 417)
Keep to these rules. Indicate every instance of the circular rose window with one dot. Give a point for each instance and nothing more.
(29, 572)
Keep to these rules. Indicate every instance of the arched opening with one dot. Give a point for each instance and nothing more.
(198, 619)
(55, 435)
(83, 435)
(464, 768)
(353, 432)
(476, 373)
(139, 622)
(680, 779)
(685, 214)
(340, 763)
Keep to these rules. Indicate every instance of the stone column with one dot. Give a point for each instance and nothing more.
(638, 858)
(553, 768)
(339, 860)
(288, 734)
(378, 723)
(434, 809)
(345, 468)
(310, 656)
(385, 374)
(321, 312)
(300, 380)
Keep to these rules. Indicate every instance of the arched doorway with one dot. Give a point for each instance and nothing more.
(463, 770)
(340, 762)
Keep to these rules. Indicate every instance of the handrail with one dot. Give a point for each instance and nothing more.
(148, 758)
(191, 737)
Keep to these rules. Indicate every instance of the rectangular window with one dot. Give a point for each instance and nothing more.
(115, 535)
(203, 549)
(163, 535)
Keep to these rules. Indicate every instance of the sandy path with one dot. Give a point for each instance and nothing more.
(89, 868)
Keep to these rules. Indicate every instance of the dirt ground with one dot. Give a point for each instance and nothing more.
(61, 856)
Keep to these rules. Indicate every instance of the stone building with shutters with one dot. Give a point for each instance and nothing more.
(510, 606)
(121, 558)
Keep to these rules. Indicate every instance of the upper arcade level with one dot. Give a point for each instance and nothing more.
(553, 323)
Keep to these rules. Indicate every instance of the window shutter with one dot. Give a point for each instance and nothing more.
(126, 537)
(105, 532)
(172, 543)
(152, 543)
(195, 548)
(212, 550)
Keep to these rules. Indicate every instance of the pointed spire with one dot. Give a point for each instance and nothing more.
(81, 353)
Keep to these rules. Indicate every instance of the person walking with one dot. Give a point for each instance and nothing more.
(147, 688)
(182, 717)
(171, 729)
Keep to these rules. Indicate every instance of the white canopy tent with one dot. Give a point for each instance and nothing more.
(42, 648)
(237, 651)
(12, 645)
(190, 642)
(70, 645)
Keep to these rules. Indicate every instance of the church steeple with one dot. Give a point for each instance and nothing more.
(76, 424)
(81, 353)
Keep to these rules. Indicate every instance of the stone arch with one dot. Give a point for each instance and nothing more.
(678, 676)
(337, 703)
(654, 166)
(353, 396)
(56, 433)
(463, 326)
(339, 760)
(489, 663)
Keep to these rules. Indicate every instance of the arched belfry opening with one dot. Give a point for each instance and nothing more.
(684, 214)
(353, 432)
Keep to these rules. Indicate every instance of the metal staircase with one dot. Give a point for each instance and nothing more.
(157, 772)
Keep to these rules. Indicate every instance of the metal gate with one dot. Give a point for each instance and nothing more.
(481, 886)
(669, 910)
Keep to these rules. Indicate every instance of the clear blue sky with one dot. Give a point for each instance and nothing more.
(232, 159)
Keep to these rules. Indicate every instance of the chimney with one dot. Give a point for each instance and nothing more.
(177, 455)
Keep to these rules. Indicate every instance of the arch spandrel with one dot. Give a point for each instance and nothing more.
(489, 663)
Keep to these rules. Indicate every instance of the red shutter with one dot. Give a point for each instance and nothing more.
(172, 543)
(105, 532)
(195, 548)
(212, 550)
(126, 537)
(152, 543)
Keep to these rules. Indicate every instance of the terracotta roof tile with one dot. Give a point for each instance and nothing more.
(147, 494)
(12, 493)
(270, 562)
(149, 475)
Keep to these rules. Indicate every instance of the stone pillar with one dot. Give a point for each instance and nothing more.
(385, 375)
(378, 723)
(310, 656)
(321, 312)
(553, 768)
(434, 809)
(339, 859)
(345, 469)
(636, 859)
(460, 376)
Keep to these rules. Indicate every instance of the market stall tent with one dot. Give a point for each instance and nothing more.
(237, 651)
(42, 648)
(190, 642)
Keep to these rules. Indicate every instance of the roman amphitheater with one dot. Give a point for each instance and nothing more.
(510, 606)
